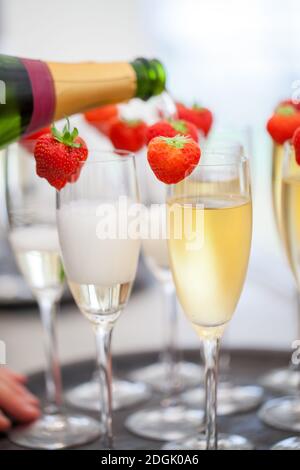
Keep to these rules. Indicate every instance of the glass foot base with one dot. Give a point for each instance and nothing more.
(165, 424)
(156, 375)
(56, 432)
(282, 381)
(292, 443)
(282, 413)
(225, 442)
(125, 394)
(231, 399)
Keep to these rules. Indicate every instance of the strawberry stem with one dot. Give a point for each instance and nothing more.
(178, 141)
(198, 107)
(66, 136)
(286, 110)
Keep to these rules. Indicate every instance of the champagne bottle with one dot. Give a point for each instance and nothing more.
(34, 93)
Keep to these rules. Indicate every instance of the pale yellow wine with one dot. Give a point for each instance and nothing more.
(209, 274)
(291, 221)
(37, 252)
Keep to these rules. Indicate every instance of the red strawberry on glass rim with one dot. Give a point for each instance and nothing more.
(201, 117)
(171, 128)
(283, 123)
(173, 158)
(59, 156)
(128, 135)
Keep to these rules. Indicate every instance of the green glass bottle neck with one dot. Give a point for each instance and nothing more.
(151, 77)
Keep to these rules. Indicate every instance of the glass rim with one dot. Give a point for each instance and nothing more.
(227, 161)
(124, 155)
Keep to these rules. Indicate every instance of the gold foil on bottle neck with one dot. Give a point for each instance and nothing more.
(87, 85)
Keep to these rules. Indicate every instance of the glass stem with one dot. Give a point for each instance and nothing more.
(103, 342)
(298, 314)
(211, 354)
(169, 355)
(225, 360)
(52, 374)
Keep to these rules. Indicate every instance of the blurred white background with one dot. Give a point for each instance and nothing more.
(238, 57)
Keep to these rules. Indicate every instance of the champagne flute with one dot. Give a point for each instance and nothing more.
(30, 204)
(232, 398)
(284, 413)
(284, 380)
(126, 393)
(100, 264)
(210, 228)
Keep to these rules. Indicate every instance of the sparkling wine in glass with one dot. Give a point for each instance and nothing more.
(37, 253)
(32, 232)
(210, 228)
(232, 398)
(100, 255)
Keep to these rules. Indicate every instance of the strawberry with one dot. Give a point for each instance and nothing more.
(283, 123)
(202, 118)
(160, 128)
(28, 141)
(59, 156)
(171, 128)
(180, 108)
(173, 158)
(103, 117)
(296, 144)
(128, 135)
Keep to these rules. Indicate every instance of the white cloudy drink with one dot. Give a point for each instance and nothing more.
(100, 267)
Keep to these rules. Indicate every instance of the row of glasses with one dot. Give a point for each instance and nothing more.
(211, 212)
(100, 270)
(101, 296)
(32, 232)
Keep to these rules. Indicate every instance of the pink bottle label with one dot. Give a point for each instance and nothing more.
(43, 94)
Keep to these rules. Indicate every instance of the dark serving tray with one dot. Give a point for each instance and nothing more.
(247, 367)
